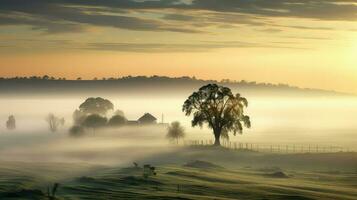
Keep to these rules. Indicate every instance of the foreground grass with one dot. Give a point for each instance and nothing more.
(177, 181)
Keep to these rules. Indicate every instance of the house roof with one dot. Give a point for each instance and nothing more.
(147, 117)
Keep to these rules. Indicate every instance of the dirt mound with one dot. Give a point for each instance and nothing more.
(270, 169)
(202, 165)
(278, 174)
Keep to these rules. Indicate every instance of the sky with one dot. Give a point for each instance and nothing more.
(305, 43)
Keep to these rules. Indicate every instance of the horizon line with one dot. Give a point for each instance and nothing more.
(223, 81)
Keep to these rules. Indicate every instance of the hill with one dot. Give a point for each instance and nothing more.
(138, 84)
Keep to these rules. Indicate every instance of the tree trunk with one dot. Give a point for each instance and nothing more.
(217, 137)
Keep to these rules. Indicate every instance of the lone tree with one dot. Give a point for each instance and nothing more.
(11, 123)
(175, 131)
(219, 108)
(97, 105)
(94, 121)
(54, 122)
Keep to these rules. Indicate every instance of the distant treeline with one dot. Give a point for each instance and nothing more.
(128, 83)
(152, 78)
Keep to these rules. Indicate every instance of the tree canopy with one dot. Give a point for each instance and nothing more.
(78, 117)
(119, 112)
(117, 120)
(97, 105)
(218, 107)
(94, 121)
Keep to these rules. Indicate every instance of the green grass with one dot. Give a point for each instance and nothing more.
(102, 183)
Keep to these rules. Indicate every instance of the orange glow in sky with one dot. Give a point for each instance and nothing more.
(306, 48)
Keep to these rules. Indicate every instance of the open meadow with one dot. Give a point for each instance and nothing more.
(219, 174)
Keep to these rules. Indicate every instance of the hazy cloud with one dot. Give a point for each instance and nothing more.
(313, 9)
(57, 16)
(306, 27)
(271, 30)
(62, 16)
(162, 47)
(178, 17)
(307, 38)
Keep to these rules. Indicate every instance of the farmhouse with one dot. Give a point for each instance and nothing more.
(146, 119)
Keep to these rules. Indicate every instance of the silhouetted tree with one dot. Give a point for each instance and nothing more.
(219, 108)
(97, 105)
(54, 122)
(11, 123)
(94, 121)
(175, 131)
(117, 120)
(76, 131)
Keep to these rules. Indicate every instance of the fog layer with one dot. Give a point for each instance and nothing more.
(275, 120)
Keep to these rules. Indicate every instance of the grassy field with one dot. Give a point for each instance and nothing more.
(229, 177)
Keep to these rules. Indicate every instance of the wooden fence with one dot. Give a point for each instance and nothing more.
(273, 148)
